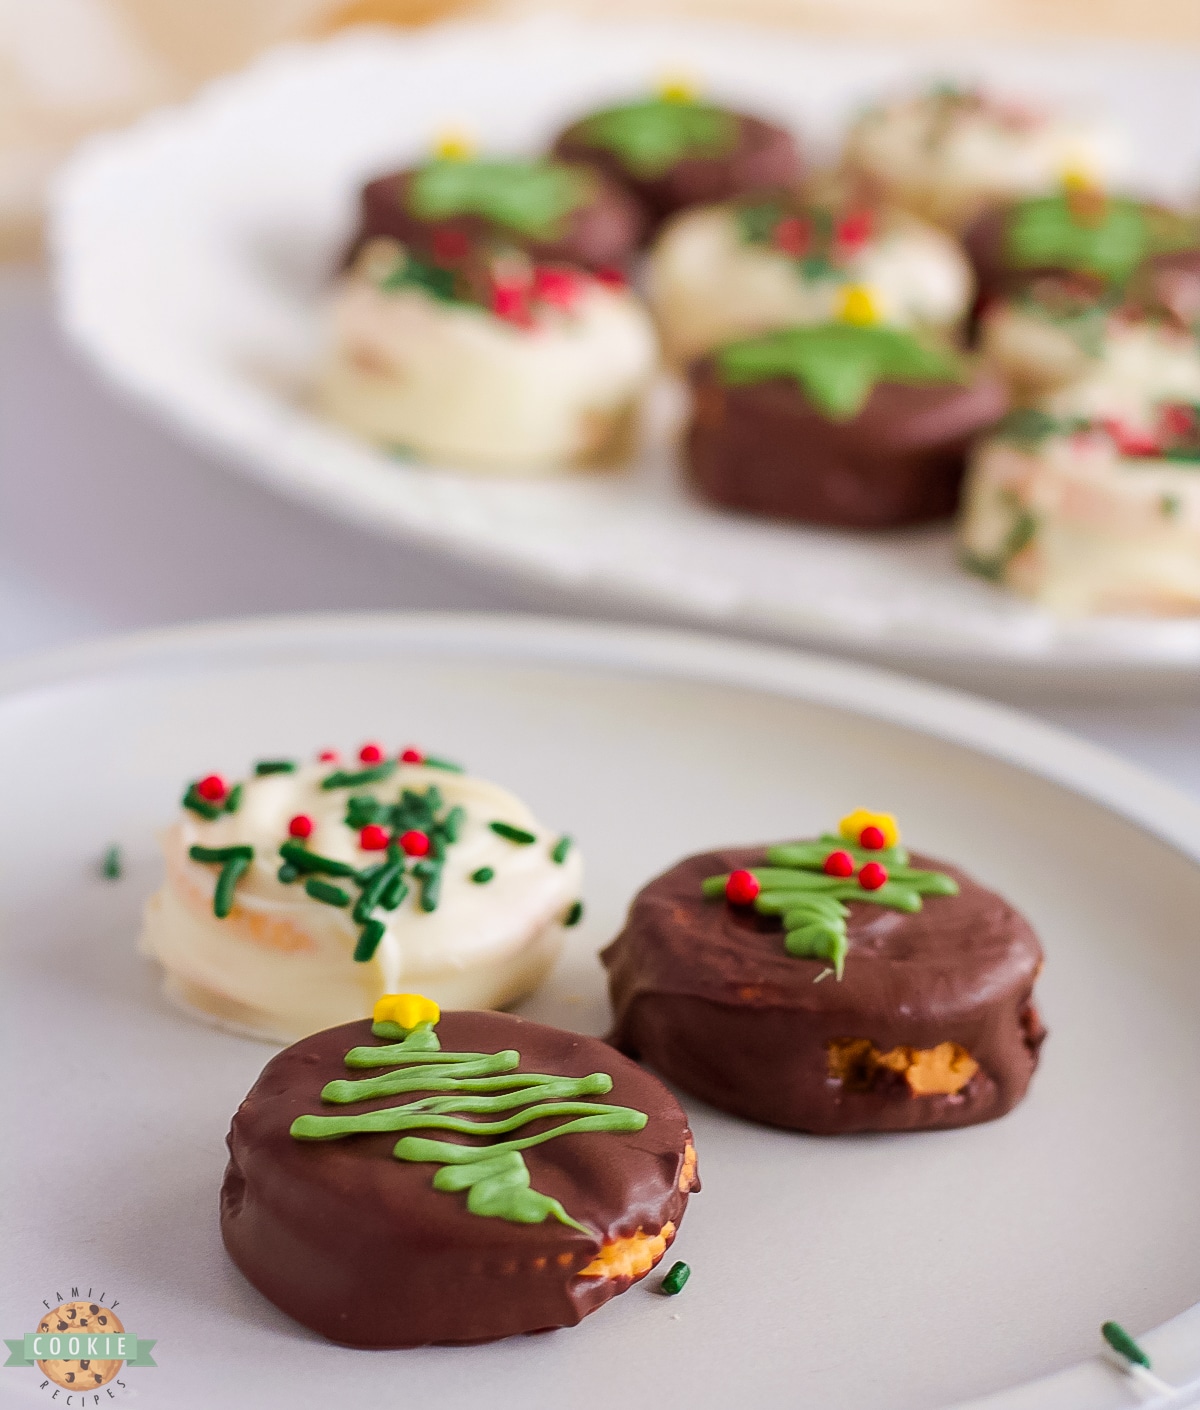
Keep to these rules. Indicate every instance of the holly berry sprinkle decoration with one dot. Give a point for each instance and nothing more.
(810, 885)
(412, 756)
(373, 838)
(300, 826)
(414, 843)
(371, 754)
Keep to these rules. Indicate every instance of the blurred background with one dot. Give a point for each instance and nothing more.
(100, 506)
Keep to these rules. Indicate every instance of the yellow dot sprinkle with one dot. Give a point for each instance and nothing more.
(678, 88)
(1078, 177)
(454, 145)
(857, 305)
(406, 1010)
(851, 826)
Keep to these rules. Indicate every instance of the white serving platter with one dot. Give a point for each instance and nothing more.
(861, 1273)
(193, 251)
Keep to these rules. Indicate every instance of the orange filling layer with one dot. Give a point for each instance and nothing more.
(687, 1175)
(940, 1071)
(632, 1257)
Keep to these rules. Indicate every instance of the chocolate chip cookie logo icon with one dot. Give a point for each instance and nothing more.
(80, 1346)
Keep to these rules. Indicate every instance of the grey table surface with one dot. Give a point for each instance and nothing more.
(110, 523)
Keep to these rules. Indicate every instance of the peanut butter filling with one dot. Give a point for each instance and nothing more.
(632, 1257)
(687, 1175)
(939, 1071)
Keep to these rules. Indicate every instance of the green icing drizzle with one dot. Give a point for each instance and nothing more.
(531, 198)
(813, 906)
(651, 135)
(495, 1176)
(1108, 237)
(837, 364)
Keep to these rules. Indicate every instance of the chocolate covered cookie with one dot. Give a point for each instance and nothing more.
(462, 1177)
(830, 986)
(861, 426)
(673, 151)
(453, 205)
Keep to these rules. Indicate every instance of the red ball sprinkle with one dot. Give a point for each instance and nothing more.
(1175, 422)
(212, 788)
(300, 826)
(854, 230)
(328, 756)
(373, 838)
(872, 876)
(371, 754)
(510, 302)
(412, 756)
(1131, 441)
(872, 838)
(741, 887)
(838, 864)
(792, 236)
(415, 844)
(560, 287)
(450, 245)
(611, 277)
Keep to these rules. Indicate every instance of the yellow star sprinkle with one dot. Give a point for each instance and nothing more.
(454, 145)
(677, 88)
(406, 1010)
(852, 825)
(858, 306)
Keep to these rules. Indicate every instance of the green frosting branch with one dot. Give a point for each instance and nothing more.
(1052, 231)
(531, 198)
(838, 364)
(651, 135)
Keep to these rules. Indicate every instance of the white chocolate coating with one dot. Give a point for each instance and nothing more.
(946, 161)
(708, 285)
(451, 382)
(281, 965)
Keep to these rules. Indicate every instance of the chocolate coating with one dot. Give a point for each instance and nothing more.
(764, 448)
(707, 993)
(602, 233)
(360, 1247)
(764, 155)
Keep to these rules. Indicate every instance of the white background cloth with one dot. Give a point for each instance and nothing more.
(109, 523)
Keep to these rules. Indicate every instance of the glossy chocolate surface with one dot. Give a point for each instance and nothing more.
(763, 156)
(601, 233)
(764, 448)
(706, 993)
(360, 1247)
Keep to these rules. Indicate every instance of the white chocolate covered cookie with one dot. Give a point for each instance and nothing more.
(298, 896)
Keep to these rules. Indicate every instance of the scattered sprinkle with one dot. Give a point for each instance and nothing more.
(274, 766)
(325, 891)
(513, 834)
(305, 861)
(347, 778)
(415, 843)
(558, 853)
(196, 804)
(1123, 1344)
(412, 756)
(221, 854)
(287, 873)
(373, 838)
(371, 754)
(447, 765)
(300, 826)
(574, 913)
(483, 875)
(368, 940)
(111, 865)
(328, 756)
(231, 874)
(212, 788)
(675, 1279)
(234, 801)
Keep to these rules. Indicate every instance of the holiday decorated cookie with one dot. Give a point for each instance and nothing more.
(487, 360)
(558, 212)
(719, 273)
(1080, 231)
(950, 152)
(674, 150)
(830, 986)
(1087, 498)
(297, 896)
(850, 422)
(458, 1177)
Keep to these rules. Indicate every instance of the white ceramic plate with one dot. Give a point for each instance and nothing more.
(193, 251)
(862, 1273)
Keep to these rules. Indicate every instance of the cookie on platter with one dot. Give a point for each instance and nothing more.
(950, 152)
(489, 362)
(847, 423)
(674, 150)
(719, 273)
(294, 898)
(373, 1241)
(830, 986)
(557, 212)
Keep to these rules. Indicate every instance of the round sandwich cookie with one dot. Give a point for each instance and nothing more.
(847, 423)
(558, 212)
(295, 897)
(718, 273)
(830, 986)
(1080, 231)
(673, 150)
(950, 152)
(492, 363)
(459, 1177)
